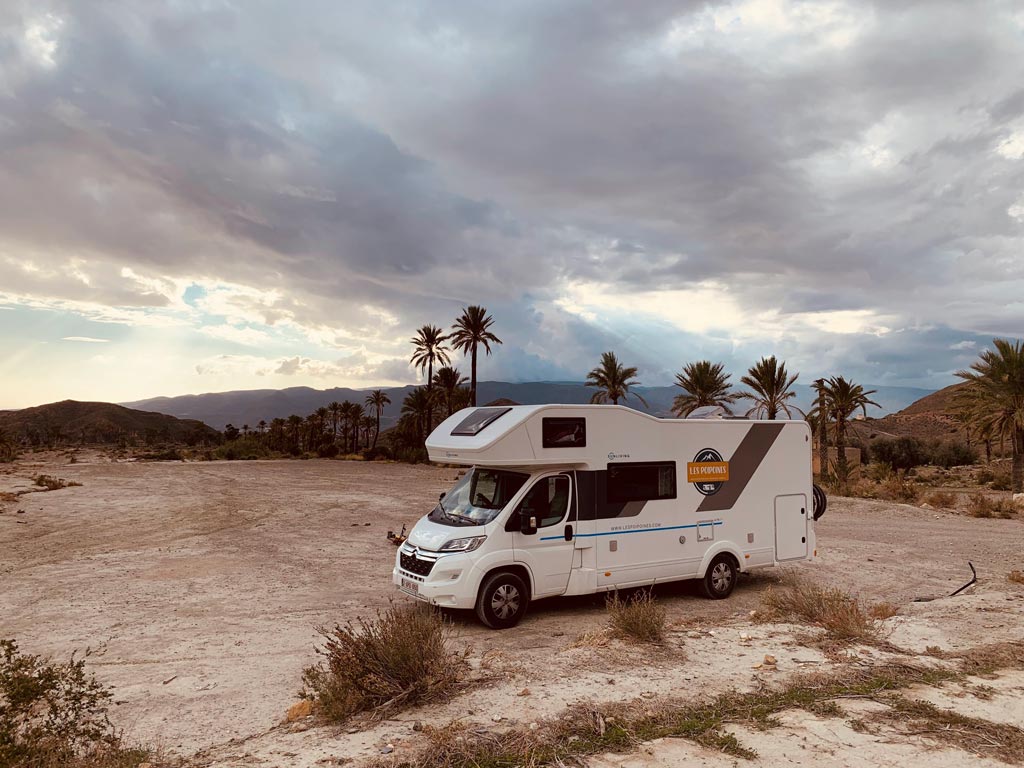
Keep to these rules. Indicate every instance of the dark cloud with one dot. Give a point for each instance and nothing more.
(378, 166)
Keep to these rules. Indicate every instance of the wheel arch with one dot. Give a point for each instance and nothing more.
(518, 569)
(713, 552)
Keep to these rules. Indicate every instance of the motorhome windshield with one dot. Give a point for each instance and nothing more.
(478, 497)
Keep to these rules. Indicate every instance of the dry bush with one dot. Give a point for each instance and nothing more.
(401, 658)
(984, 506)
(839, 614)
(54, 715)
(896, 486)
(900, 488)
(639, 617)
(1016, 577)
(51, 483)
(942, 499)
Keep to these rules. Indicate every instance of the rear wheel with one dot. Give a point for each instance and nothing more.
(720, 578)
(502, 600)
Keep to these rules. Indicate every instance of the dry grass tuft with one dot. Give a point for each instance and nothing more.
(838, 613)
(942, 499)
(984, 506)
(1016, 577)
(883, 610)
(639, 617)
(401, 658)
(979, 737)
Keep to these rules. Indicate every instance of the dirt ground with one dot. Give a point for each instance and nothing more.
(201, 585)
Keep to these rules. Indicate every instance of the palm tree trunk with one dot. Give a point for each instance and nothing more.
(841, 466)
(472, 385)
(376, 432)
(1017, 468)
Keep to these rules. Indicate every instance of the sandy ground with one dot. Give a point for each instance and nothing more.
(201, 585)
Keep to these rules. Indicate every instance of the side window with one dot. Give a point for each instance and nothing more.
(548, 501)
(641, 481)
(564, 433)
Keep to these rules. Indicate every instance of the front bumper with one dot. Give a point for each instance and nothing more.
(450, 581)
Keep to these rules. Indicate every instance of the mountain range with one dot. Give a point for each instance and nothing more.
(243, 407)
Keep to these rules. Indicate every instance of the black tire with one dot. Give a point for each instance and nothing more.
(820, 502)
(502, 600)
(720, 578)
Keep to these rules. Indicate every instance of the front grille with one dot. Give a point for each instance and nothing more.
(413, 564)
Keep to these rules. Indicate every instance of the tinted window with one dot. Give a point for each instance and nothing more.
(642, 481)
(564, 433)
(478, 419)
(548, 501)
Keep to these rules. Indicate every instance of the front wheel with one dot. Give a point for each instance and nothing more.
(502, 600)
(720, 578)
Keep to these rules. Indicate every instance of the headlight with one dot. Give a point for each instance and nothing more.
(463, 545)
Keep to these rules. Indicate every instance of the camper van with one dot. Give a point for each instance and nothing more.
(577, 499)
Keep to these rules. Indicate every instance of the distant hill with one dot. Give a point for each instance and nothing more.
(925, 419)
(76, 422)
(251, 406)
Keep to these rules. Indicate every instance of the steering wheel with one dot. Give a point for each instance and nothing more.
(482, 501)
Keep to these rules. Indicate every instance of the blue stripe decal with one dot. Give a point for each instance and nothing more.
(632, 530)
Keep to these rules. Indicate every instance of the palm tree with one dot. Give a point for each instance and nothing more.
(994, 395)
(335, 410)
(418, 405)
(612, 380)
(429, 349)
(355, 416)
(844, 398)
(377, 400)
(704, 383)
(449, 381)
(819, 419)
(366, 424)
(295, 426)
(471, 330)
(770, 387)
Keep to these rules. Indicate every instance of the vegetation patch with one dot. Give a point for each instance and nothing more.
(842, 616)
(981, 505)
(639, 617)
(1016, 577)
(401, 658)
(971, 734)
(587, 729)
(55, 715)
(942, 499)
(52, 483)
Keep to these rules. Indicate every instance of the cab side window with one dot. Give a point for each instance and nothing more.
(547, 500)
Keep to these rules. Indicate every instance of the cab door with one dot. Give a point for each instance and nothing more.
(542, 527)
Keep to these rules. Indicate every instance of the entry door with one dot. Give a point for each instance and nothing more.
(791, 527)
(547, 553)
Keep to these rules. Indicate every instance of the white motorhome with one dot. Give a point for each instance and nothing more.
(577, 499)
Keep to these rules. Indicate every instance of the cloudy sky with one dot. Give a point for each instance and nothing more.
(207, 195)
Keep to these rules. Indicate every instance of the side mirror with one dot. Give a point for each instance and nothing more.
(439, 498)
(528, 525)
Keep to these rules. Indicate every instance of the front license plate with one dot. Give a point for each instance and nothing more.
(410, 586)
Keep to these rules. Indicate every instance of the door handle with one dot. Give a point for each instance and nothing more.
(568, 533)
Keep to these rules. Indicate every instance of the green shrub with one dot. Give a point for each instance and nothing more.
(901, 453)
(401, 658)
(377, 453)
(909, 452)
(55, 714)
